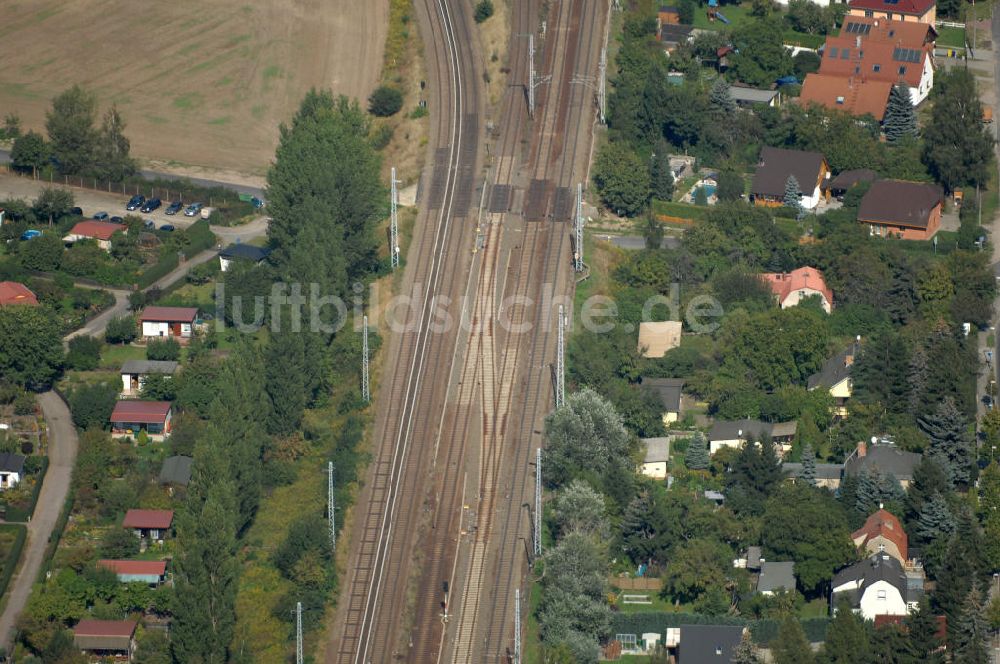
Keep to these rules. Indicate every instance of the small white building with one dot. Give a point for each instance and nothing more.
(11, 470)
(655, 462)
(176, 322)
(134, 373)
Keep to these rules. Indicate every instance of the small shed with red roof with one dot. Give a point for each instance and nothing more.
(131, 417)
(140, 571)
(155, 524)
(95, 230)
(12, 292)
(106, 638)
(176, 322)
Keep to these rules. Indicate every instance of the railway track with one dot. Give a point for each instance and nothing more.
(371, 623)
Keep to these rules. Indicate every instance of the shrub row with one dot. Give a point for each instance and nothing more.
(22, 514)
(15, 553)
(161, 269)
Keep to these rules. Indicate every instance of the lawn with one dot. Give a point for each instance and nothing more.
(735, 13)
(953, 37)
(113, 356)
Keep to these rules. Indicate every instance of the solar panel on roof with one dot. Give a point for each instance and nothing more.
(859, 28)
(906, 55)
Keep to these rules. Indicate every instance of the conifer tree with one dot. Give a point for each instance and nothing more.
(923, 643)
(900, 119)
(935, 520)
(793, 194)
(696, 457)
(950, 444)
(808, 465)
(846, 638)
(928, 479)
(661, 176)
(791, 646)
(285, 363)
(954, 581)
(970, 632)
(745, 652)
(721, 98)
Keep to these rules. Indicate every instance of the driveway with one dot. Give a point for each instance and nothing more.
(62, 456)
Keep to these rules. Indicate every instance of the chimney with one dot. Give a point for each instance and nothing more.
(862, 449)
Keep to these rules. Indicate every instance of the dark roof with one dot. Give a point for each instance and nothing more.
(140, 412)
(708, 644)
(142, 367)
(668, 390)
(176, 470)
(847, 179)
(776, 164)
(245, 252)
(730, 429)
(148, 519)
(135, 567)
(900, 203)
(879, 567)
(824, 471)
(123, 628)
(11, 463)
(753, 557)
(776, 576)
(914, 7)
(887, 459)
(657, 449)
(169, 314)
(675, 33)
(834, 370)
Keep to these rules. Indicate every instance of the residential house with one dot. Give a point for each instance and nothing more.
(774, 168)
(149, 524)
(908, 210)
(11, 470)
(750, 97)
(129, 418)
(878, 586)
(176, 322)
(882, 533)
(919, 11)
(775, 577)
(114, 639)
(855, 95)
(656, 459)
(656, 338)
(134, 373)
(884, 457)
(101, 231)
(668, 391)
(734, 433)
(151, 572)
(672, 35)
(247, 253)
(176, 470)
(668, 16)
(873, 49)
(846, 180)
(827, 474)
(708, 644)
(12, 292)
(792, 287)
(835, 377)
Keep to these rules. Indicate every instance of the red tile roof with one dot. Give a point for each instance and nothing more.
(12, 292)
(124, 628)
(148, 519)
(887, 619)
(784, 283)
(879, 54)
(140, 412)
(884, 524)
(847, 93)
(99, 230)
(912, 7)
(169, 314)
(143, 567)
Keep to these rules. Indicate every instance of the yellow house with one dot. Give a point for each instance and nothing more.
(668, 390)
(835, 376)
(921, 11)
(654, 463)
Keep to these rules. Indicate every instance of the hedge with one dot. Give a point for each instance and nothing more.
(201, 238)
(162, 268)
(763, 631)
(55, 536)
(15, 554)
(21, 514)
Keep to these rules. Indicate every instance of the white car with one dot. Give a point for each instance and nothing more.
(193, 209)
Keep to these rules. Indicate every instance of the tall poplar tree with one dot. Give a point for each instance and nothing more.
(70, 126)
(111, 157)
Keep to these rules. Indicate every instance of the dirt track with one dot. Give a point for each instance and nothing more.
(200, 83)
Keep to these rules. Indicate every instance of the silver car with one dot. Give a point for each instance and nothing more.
(193, 210)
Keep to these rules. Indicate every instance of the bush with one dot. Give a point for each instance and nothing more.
(84, 353)
(15, 554)
(163, 349)
(162, 268)
(484, 9)
(120, 330)
(43, 253)
(385, 101)
(118, 544)
(24, 403)
(91, 405)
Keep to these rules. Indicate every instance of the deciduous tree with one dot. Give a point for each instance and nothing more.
(111, 157)
(70, 125)
(30, 152)
(958, 148)
(622, 179)
(31, 351)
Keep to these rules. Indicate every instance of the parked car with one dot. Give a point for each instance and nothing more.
(116, 220)
(193, 209)
(135, 202)
(30, 234)
(149, 224)
(174, 208)
(988, 401)
(167, 228)
(101, 216)
(76, 211)
(151, 205)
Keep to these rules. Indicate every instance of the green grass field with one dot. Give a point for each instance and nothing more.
(951, 37)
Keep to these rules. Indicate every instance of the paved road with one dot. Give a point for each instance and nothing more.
(160, 175)
(62, 456)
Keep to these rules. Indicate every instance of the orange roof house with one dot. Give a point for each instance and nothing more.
(94, 230)
(857, 96)
(882, 533)
(916, 11)
(12, 292)
(792, 287)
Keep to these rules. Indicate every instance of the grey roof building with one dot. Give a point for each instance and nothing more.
(835, 369)
(247, 252)
(776, 576)
(753, 557)
(733, 433)
(657, 449)
(708, 644)
(824, 471)
(884, 457)
(668, 390)
(751, 96)
(11, 463)
(143, 367)
(778, 164)
(176, 470)
(877, 571)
